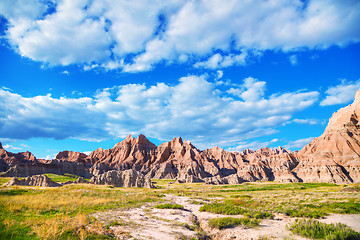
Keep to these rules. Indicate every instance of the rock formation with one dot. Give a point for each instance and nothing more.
(71, 156)
(332, 157)
(127, 178)
(36, 180)
(335, 155)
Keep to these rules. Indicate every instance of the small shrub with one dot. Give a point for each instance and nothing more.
(317, 230)
(222, 208)
(259, 215)
(169, 206)
(305, 212)
(229, 222)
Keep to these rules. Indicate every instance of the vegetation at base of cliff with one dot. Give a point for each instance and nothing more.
(63, 178)
(229, 222)
(169, 206)
(317, 230)
(24, 208)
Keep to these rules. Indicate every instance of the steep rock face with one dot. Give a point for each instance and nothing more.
(335, 155)
(37, 180)
(127, 178)
(71, 156)
(125, 154)
(8, 159)
(55, 166)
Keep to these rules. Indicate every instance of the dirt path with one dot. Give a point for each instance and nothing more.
(148, 222)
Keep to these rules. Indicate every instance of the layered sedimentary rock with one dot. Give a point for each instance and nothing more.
(127, 178)
(335, 155)
(332, 157)
(37, 180)
(71, 156)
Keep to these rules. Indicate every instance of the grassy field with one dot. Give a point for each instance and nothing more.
(63, 212)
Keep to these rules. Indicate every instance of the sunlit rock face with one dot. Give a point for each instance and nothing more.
(332, 157)
(335, 155)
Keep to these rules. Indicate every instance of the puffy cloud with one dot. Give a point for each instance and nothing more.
(219, 61)
(136, 35)
(342, 93)
(194, 108)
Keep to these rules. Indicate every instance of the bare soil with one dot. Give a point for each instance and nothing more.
(147, 222)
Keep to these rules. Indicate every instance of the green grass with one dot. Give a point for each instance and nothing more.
(62, 213)
(4, 180)
(317, 230)
(222, 208)
(34, 212)
(62, 178)
(169, 206)
(229, 222)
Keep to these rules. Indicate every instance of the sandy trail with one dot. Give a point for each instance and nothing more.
(147, 222)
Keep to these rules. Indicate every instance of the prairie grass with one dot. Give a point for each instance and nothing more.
(22, 209)
(62, 213)
(62, 178)
(317, 230)
(229, 222)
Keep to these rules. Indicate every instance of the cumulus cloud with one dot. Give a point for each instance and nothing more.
(194, 108)
(342, 93)
(136, 35)
(220, 61)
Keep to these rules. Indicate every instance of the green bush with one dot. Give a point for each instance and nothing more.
(169, 206)
(317, 230)
(305, 212)
(228, 222)
(259, 215)
(222, 208)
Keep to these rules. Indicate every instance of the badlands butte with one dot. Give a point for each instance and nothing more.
(334, 157)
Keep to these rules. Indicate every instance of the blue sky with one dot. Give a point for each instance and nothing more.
(80, 74)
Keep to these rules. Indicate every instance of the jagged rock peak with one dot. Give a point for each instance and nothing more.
(70, 156)
(280, 149)
(346, 117)
(247, 151)
(141, 140)
(1, 146)
(177, 141)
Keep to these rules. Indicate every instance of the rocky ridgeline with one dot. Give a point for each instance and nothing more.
(332, 157)
(36, 180)
(128, 178)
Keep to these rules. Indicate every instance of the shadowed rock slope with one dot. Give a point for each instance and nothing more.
(332, 157)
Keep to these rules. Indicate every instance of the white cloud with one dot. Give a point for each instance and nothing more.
(342, 93)
(220, 61)
(50, 157)
(219, 75)
(304, 121)
(103, 33)
(65, 72)
(298, 144)
(194, 108)
(11, 147)
(255, 145)
(293, 60)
